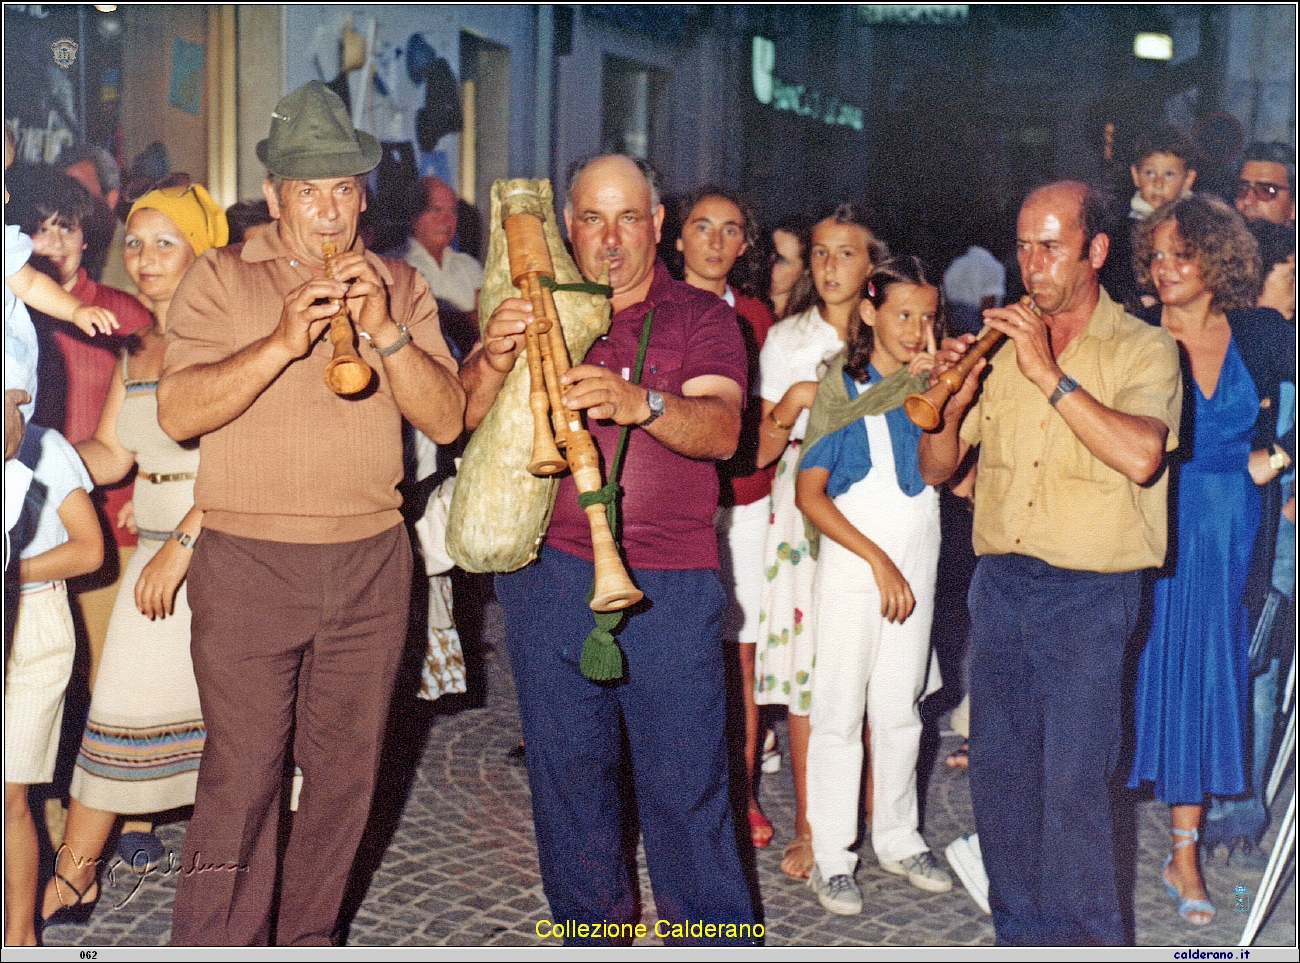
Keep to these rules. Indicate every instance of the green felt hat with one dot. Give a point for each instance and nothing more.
(312, 138)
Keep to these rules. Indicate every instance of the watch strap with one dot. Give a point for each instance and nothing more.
(1063, 388)
(655, 401)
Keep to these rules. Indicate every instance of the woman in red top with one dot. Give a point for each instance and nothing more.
(719, 229)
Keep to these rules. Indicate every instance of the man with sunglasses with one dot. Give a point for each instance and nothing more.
(300, 580)
(1266, 183)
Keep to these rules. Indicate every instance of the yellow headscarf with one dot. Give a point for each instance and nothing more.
(195, 212)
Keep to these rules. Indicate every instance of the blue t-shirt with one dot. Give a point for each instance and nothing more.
(57, 471)
(846, 453)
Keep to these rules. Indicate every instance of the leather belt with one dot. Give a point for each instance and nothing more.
(159, 477)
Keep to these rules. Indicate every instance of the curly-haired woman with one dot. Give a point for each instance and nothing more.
(1190, 707)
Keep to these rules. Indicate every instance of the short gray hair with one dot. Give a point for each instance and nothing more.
(644, 166)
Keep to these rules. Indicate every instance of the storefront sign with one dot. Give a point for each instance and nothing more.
(780, 95)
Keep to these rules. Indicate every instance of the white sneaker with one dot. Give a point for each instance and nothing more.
(771, 756)
(839, 894)
(968, 863)
(922, 871)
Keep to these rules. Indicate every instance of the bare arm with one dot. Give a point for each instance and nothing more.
(484, 371)
(43, 293)
(939, 453)
(1133, 445)
(772, 439)
(702, 422)
(105, 457)
(160, 579)
(1261, 472)
(428, 394)
(896, 599)
(83, 552)
(14, 427)
(196, 399)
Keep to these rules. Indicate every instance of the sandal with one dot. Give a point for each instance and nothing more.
(1186, 904)
(797, 860)
(760, 829)
(959, 759)
(77, 913)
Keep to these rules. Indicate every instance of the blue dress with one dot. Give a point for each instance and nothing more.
(1190, 703)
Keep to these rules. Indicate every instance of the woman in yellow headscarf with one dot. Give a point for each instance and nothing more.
(144, 736)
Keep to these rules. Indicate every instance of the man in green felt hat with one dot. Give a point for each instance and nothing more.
(300, 580)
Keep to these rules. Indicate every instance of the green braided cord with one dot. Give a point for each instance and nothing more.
(601, 660)
(583, 287)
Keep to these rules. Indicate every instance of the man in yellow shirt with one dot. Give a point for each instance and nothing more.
(1080, 405)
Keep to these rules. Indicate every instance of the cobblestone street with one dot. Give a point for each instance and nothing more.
(450, 858)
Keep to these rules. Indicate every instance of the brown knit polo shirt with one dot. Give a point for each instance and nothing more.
(301, 464)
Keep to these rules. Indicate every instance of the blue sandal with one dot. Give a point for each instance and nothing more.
(1186, 905)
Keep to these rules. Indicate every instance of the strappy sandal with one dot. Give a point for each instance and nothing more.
(1186, 904)
(78, 913)
(797, 860)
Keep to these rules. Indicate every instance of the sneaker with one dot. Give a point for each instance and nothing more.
(968, 863)
(771, 757)
(839, 894)
(922, 871)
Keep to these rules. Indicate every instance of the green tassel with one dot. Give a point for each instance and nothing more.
(602, 661)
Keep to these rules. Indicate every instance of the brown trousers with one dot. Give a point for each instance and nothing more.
(296, 642)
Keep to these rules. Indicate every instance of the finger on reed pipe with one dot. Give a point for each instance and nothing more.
(925, 408)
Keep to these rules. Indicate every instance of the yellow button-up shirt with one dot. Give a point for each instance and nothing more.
(1040, 491)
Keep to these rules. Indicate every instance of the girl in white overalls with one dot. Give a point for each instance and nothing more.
(873, 596)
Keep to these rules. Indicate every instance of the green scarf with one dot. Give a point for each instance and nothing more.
(833, 409)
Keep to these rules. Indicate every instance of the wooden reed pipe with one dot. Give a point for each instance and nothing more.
(346, 374)
(925, 408)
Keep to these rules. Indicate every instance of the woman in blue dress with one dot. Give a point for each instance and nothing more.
(1191, 699)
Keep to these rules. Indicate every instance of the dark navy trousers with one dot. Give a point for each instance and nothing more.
(671, 702)
(1047, 646)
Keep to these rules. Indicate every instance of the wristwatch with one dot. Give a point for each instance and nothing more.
(1063, 388)
(184, 539)
(403, 339)
(655, 401)
(1277, 459)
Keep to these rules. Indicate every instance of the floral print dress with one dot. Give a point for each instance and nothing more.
(796, 349)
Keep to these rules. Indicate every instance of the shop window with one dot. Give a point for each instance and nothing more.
(630, 108)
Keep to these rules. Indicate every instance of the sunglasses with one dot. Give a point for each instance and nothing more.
(1262, 190)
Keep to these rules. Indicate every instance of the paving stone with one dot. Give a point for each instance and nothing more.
(458, 865)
